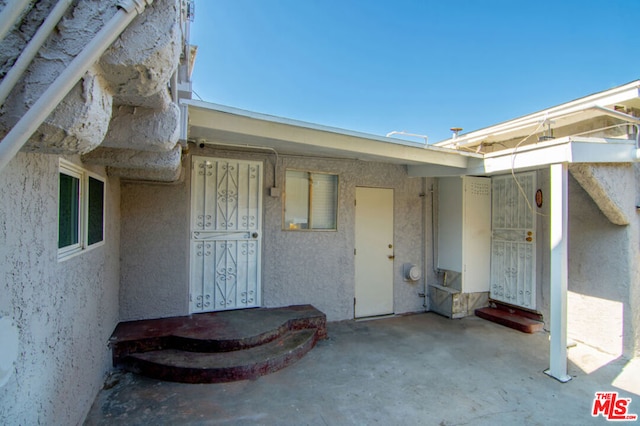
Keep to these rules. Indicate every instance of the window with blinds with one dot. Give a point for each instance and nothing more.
(311, 201)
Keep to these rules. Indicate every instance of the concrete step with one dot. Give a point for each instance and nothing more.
(511, 318)
(217, 346)
(206, 367)
(214, 331)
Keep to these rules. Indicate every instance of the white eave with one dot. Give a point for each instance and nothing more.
(586, 108)
(212, 123)
(564, 150)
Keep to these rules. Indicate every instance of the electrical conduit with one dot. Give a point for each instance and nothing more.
(9, 14)
(40, 110)
(29, 52)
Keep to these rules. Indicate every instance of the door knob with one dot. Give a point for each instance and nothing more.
(391, 256)
(254, 235)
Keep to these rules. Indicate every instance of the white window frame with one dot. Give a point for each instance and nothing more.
(310, 203)
(73, 170)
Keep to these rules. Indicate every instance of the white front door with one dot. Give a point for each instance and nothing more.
(226, 221)
(513, 241)
(374, 252)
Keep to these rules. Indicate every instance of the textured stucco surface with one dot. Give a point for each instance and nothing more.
(297, 267)
(154, 249)
(603, 301)
(609, 186)
(123, 99)
(599, 275)
(319, 267)
(139, 165)
(142, 60)
(80, 121)
(152, 129)
(64, 311)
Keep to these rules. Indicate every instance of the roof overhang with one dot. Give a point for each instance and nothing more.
(218, 124)
(565, 150)
(606, 103)
(214, 124)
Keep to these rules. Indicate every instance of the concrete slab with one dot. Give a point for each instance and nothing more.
(418, 369)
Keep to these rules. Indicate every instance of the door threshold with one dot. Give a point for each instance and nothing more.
(375, 317)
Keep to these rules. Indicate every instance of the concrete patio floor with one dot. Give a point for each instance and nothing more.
(418, 369)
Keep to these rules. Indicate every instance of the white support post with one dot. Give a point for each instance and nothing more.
(559, 272)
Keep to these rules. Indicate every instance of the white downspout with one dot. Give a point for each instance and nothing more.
(29, 52)
(40, 110)
(9, 15)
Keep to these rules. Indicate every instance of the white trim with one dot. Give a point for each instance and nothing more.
(559, 272)
(211, 123)
(83, 175)
(606, 98)
(76, 172)
(97, 177)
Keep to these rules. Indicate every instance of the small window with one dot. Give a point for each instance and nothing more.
(80, 210)
(311, 201)
(69, 210)
(95, 206)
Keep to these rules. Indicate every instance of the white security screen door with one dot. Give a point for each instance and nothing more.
(226, 220)
(374, 252)
(513, 242)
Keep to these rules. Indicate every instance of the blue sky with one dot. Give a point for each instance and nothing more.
(420, 66)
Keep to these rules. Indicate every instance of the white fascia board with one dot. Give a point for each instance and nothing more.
(208, 106)
(565, 150)
(606, 98)
(339, 141)
(436, 170)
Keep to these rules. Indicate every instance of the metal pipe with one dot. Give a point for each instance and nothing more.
(9, 14)
(40, 110)
(11, 78)
(396, 132)
(202, 143)
(424, 244)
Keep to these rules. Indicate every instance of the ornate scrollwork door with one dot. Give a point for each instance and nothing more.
(226, 224)
(513, 241)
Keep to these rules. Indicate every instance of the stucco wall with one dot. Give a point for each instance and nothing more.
(155, 249)
(603, 301)
(318, 267)
(65, 311)
(297, 267)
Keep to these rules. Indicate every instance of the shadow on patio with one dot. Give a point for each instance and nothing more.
(416, 369)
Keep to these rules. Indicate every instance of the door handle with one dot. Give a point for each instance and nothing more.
(391, 257)
(254, 235)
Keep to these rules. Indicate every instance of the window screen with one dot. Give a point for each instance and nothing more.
(95, 220)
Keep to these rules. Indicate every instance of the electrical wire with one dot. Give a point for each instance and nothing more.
(513, 173)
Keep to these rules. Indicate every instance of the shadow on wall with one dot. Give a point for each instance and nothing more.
(599, 280)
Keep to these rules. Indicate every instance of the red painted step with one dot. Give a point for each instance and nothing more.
(217, 367)
(510, 318)
(218, 346)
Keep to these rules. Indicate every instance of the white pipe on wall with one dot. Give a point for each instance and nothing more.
(40, 110)
(9, 14)
(11, 78)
